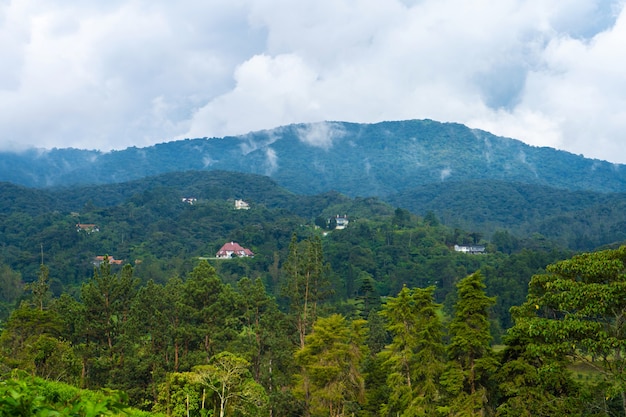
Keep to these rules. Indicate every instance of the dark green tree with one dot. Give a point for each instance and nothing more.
(266, 340)
(577, 310)
(30, 341)
(107, 300)
(532, 384)
(11, 286)
(216, 310)
(415, 357)
(469, 377)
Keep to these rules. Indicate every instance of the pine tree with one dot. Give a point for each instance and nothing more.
(307, 282)
(415, 357)
(331, 361)
(472, 361)
(41, 288)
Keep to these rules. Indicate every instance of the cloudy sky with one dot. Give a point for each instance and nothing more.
(111, 74)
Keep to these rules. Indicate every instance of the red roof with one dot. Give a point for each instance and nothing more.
(233, 247)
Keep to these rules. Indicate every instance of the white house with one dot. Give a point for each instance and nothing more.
(241, 205)
(469, 249)
(342, 222)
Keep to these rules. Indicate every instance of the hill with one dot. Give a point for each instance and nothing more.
(579, 220)
(354, 159)
(146, 223)
(147, 220)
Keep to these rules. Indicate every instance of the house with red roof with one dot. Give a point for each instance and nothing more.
(100, 259)
(233, 249)
(89, 228)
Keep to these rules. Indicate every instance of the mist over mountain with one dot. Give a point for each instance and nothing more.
(379, 159)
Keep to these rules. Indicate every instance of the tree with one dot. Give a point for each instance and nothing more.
(415, 357)
(213, 306)
(10, 285)
(306, 281)
(107, 300)
(227, 375)
(331, 360)
(30, 341)
(162, 312)
(577, 310)
(469, 375)
(367, 296)
(41, 288)
(267, 341)
(531, 384)
(180, 395)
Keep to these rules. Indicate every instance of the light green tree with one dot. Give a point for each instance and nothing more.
(331, 361)
(227, 376)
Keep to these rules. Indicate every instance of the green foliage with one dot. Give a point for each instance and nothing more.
(227, 376)
(513, 212)
(180, 395)
(535, 385)
(415, 358)
(306, 282)
(141, 328)
(575, 310)
(36, 397)
(396, 154)
(331, 382)
(10, 288)
(473, 362)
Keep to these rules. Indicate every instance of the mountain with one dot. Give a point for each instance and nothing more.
(378, 159)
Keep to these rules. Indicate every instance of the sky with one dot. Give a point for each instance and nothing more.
(113, 74)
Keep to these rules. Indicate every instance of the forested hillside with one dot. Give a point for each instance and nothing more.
(196, 345)
(383, 317)
(579, 220)
(145, 223)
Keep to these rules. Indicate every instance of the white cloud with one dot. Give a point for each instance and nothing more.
(133, 73)
(267, 89)
(320, 135)
(271, 161)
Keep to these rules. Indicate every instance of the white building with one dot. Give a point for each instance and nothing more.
(241, 205)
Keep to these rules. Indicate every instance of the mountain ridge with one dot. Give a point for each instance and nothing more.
(377, 159)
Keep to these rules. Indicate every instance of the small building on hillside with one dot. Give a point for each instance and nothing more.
(189, 200)
(471, 249)
(341, 221)
(232, 250)
(241, 205)
(87, 227)
(112, 261)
